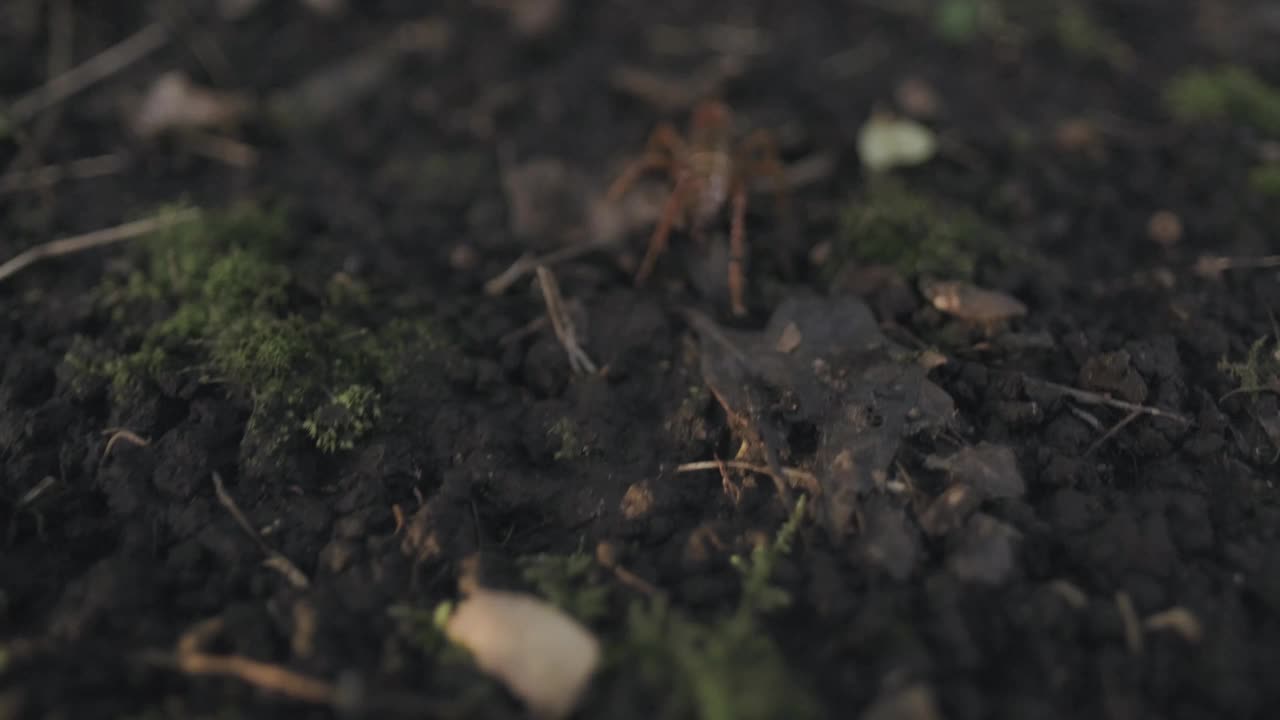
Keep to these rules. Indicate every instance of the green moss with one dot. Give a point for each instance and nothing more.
(568, 440)
(1265, 180)
(914, 234)
(347, 417)
(1259, 371)
(423, 628)
(729, 669)
(213, 300)
(570, 582)
(1228, 92)
(1080, 34)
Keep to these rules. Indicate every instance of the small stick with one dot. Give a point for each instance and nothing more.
(97, 238)
(1112, 432)
(1132, 626)
(1213, 266)
(528, 263)
(793, 474)
(562, 324)
(44, 177)
(94, 70)
(192, 660)
(1091, 398)
(274, 560)
(118, 434)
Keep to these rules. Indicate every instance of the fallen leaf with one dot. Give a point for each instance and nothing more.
(860, 391)
(545, 657)
(970, 302)
(886, 142)
(175, 103)
(990, 469)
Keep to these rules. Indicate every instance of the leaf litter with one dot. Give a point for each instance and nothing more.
(862, 393)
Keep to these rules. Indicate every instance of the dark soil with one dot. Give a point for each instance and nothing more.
(1053, 602)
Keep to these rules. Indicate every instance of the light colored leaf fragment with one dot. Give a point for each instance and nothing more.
(540, 653)
(886, 142)
(175, 103)
(970, 302)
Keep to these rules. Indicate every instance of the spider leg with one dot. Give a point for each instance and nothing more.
(658, 241)
(760, 148)
(664, 148)
(738, 250)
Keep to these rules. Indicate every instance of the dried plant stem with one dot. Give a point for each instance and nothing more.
(274, 560)
(97, 238)
(562, 323)
(92, 71)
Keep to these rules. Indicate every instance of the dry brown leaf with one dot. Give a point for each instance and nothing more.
(543, 656)
(970, 302)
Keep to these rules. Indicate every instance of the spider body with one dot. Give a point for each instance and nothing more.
(708, 171)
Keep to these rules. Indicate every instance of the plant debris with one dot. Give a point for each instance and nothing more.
(860, 391)
(887, 142)
(540, 653)
(970, 302)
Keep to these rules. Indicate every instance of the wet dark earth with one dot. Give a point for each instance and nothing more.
(248, 460)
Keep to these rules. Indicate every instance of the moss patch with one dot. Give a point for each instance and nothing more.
(212, 301)
(914, 234)
(1228, 92)
(1265, 180)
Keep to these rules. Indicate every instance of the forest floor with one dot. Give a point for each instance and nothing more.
(255, 449)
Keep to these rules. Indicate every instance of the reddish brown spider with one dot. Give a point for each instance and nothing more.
(707, 170)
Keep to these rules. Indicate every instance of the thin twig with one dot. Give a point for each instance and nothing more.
(562, 323)
(49, 175)
(97, 238)
(793, 474)
(527, 263)
(1133, 415)
(94, 70)
(192, 660)
(1092, 398)
(274, 560)
(1213, 266)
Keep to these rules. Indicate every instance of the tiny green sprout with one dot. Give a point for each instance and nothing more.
(569, 582)
(1265, 180)
(758, 593)
(424, 628)
(1228, 92)
(569, 444)
(1260, 370)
